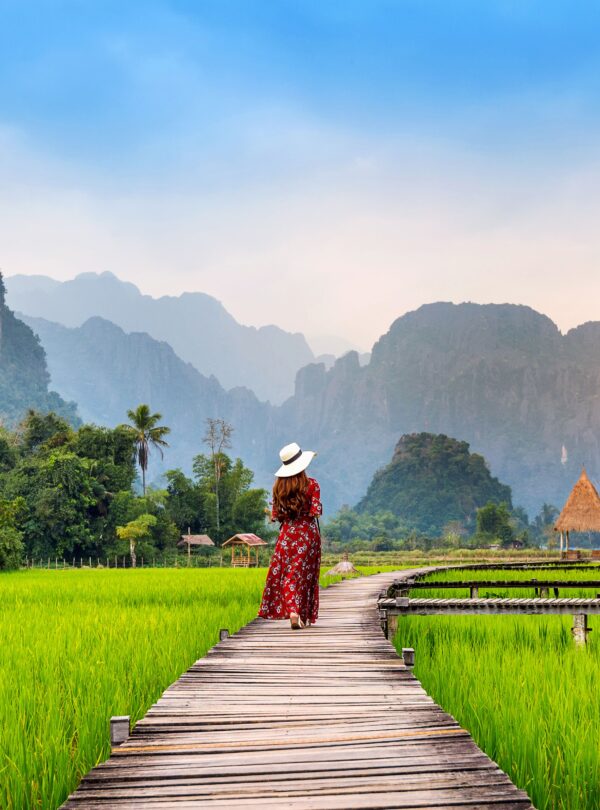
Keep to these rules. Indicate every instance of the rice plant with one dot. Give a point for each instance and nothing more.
(81, 645)
(528, 696)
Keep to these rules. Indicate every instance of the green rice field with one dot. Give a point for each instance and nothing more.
(81, 645)
(528, 696)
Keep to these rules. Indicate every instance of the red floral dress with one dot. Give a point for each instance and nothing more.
(293, 580)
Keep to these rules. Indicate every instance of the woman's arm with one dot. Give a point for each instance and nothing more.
(314, 493)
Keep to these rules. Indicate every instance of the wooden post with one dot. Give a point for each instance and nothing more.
(223, 634)
(383, 622)
(120, 728)
(568, 539)
(561, 543)
(474, 592)
(544, 592)
(392, 625)
(408, 656)
(580, 629)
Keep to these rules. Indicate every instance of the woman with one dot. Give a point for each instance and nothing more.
(292, 587)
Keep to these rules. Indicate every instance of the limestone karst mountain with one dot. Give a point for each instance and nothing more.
(24, 377)
(197, 326)
(431, 481)
(108, 371)
(501, 377)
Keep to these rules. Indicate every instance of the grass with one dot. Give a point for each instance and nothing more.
(81, 645)
(519, 685)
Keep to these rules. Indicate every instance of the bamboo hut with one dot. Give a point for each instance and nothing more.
(581, 513)
(343, 568)
(244, 549)
(195, 540)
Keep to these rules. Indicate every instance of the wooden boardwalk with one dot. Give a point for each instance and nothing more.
(327, 717)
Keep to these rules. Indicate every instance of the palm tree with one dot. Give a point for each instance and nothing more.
(146, 434)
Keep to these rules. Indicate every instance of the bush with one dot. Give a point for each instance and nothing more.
(11, 548)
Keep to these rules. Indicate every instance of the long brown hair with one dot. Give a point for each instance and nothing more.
(290, 496)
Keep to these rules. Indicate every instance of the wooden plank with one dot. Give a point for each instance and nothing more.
(430, 607)
(325, 718)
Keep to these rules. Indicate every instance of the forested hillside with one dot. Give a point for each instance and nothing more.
(500, 377)
(432, 481)
(105, 370)
(24, 377)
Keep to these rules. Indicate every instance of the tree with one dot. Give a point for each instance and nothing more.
(11, 539)
(48, 429)
(543, 525)
(494, 523)
(185, 505)
(217, 438)
(238, 503)
(134, 531)
(431, 480)
(146, 434)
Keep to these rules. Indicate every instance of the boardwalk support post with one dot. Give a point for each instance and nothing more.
(120, 728)
(544, 592)
(408, 656)
(580, 629)
(223, 634)
(474, 592)
(383, 621)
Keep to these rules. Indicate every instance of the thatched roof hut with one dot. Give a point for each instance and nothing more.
(343, 568)
(195, 540)
(242, 545)
(581, 512)
(190, 540)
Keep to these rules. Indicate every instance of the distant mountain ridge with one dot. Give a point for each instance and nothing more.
(501, 377)
(24, 377)
(196, 325)
(108, 371)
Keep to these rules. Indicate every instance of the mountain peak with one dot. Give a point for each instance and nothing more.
(196, 325)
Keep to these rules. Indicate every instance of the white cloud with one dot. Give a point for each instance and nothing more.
(336, 235)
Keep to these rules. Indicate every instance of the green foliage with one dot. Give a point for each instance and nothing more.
(431, 480)
(518, 683)
(136, 529)
(241, 508)
(186, 505)
(81, 646)
(75, 489)
(24, 377)
(494, 525)
(11, 539)
(146, 434)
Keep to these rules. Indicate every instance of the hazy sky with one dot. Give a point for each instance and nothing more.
(322, 165)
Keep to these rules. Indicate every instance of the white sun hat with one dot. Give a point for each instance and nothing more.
(294, 460)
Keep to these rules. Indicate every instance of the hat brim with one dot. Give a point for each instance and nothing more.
(298, 466)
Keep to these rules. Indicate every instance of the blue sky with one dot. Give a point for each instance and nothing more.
(379, 154)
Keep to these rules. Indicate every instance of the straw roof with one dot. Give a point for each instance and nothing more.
(344, 567)
(195, 540)
(581, 513)
(245, 539)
